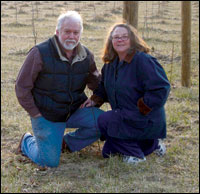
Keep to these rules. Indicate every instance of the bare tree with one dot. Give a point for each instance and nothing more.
(130, 12)
(33, 25)
(52, 7)
(37, 9)
(186, 43)
(145, 28)
(16, 11)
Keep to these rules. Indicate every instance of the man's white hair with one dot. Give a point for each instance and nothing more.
(69, 15)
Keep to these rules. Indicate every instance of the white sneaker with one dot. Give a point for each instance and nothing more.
(161, 148)
(133, 160)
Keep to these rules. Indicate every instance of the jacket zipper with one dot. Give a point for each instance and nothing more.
(70, 93)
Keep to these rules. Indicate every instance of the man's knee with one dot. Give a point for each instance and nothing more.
(53, 164)
(103, 120)
(53, 161)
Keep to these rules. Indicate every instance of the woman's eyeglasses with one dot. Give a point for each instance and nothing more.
(116, 38)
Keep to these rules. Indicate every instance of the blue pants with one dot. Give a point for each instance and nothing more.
(44, 148)
(128, 147)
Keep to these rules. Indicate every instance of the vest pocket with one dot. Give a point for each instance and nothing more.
(47, 103)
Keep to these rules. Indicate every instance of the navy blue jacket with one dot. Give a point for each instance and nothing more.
(137, 92)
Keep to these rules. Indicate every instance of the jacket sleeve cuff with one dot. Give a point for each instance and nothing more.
(143, 108)
(98, 100)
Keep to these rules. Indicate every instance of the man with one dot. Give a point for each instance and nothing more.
(50, 87)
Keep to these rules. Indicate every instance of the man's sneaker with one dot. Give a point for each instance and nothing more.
(65, 147)
(161, 148)
(133, 160)
(18, 150)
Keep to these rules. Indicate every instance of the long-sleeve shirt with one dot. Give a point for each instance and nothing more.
(30, 70)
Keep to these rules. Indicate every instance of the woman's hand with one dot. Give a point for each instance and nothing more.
(88, 103)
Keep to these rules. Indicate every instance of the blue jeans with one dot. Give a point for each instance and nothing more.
(44, 148)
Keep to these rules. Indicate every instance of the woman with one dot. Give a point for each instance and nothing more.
(136, 86)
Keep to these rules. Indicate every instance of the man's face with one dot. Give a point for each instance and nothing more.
(69, 34)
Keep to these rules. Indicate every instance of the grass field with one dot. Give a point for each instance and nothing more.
(87, 170)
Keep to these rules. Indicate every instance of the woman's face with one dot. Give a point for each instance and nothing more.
(120, 40)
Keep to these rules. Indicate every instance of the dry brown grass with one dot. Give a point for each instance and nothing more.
(87, 171)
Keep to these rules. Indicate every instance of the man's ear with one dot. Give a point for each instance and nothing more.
(57, 32)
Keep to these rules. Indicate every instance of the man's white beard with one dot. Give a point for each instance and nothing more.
(69, 44)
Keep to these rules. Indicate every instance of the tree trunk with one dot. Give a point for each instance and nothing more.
(186, 43)
(130, 13)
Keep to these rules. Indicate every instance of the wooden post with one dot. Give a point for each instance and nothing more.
(130, 12)
(186, 43)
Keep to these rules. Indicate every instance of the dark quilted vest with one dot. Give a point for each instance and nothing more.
(59, 88)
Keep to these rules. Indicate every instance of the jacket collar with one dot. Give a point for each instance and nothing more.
(79, 53)
(129, 57)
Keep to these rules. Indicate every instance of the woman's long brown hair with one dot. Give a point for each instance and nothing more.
(137, 43)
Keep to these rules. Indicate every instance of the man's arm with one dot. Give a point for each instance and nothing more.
(94, 76)
(25, 82)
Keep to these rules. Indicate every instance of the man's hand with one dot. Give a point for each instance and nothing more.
(88, 103)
